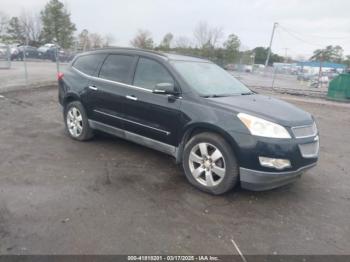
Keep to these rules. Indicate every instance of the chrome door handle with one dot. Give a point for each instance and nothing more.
(134, 98)
(93, 88)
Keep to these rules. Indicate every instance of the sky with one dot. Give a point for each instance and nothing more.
(304, 25)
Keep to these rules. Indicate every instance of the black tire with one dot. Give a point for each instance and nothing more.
(86, 132)
(231, 173)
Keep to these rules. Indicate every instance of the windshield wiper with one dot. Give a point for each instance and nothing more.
(211, 96)
(247, 93)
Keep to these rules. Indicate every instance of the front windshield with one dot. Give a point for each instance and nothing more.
(208, 79)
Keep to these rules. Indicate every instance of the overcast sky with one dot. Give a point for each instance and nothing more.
(305, 25)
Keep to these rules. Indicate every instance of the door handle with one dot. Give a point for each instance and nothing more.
(134, 98)
(93, 88)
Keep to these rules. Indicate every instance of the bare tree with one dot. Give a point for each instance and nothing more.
(216, 34)
(108, 40)
(143, 39)
(183, 42)
(207, 36)
(96, 40)
(84, 41)
(32, 26)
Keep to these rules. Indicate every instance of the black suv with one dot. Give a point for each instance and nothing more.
(220, 131)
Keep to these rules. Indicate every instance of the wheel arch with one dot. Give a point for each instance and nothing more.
(198, 128)
(70, 97)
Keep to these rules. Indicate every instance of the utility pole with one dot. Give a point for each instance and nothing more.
(269, 51)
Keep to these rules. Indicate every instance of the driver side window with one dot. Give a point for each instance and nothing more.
(149, 73)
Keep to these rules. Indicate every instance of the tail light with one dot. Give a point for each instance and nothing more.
(60, 76)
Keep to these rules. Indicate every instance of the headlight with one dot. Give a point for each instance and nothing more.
(261, 127)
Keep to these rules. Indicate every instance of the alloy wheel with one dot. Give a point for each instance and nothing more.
(207, 164)
(74, 122)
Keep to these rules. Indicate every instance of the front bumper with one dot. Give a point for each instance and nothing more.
(262, 180)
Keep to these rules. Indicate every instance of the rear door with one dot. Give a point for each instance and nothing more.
(107, 91)
(154, 116)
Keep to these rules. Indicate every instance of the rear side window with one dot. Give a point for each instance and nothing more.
(149, 73)
(88, 63)
(117, 68)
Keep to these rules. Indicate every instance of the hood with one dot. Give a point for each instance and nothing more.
(266, 107)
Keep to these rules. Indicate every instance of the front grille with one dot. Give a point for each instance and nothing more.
(305, 131)
(309, 150)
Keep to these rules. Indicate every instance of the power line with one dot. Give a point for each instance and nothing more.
(315, 36)
(299, 38)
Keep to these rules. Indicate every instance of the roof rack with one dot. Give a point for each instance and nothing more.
(131, 48)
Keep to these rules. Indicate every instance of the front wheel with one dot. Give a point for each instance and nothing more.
(77, 124)
(210, 164)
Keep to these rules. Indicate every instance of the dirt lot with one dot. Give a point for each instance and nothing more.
(109, 196)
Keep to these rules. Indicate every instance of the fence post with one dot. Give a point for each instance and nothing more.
(25, 63)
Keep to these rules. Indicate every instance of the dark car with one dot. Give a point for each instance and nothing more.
(29, 51)
(220, 131)
(48, 51)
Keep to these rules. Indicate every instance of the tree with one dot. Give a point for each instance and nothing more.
(143, 39)
(3, 25)
(329, 53)
(261, 55)
(166, 42)
(31, 24)
(15, 31)
(182, 42)
(57, 25)
(232, 45)
(206, 36)
(107, 40)
(96, 40)
(84, 41)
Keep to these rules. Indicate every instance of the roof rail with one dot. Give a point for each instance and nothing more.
(131, 48)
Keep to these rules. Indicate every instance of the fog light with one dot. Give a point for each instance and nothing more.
(274, 162)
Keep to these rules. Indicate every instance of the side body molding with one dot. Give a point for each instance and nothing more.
(145, 141)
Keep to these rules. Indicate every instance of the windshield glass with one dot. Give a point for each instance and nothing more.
(209, 79)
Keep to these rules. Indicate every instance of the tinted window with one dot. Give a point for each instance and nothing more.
(117, 68)
(88, 63)
(149, 73)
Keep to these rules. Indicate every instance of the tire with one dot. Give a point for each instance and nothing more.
(222, 170)
(76, 121)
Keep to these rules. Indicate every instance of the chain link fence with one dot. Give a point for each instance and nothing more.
(285, 78)
(26, 66)
(5, 57)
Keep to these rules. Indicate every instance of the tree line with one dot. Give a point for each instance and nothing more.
(53, 25)
(207, 42)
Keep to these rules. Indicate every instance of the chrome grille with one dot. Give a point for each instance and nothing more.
(305, 131)
(309, 150)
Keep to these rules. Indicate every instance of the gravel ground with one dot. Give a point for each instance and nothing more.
(109, 196)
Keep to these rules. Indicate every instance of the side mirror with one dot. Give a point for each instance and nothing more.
(164, 88)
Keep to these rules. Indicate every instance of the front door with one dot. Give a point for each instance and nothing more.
(150, 115)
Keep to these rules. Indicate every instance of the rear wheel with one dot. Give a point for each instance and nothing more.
(210, 164)
(77, 124)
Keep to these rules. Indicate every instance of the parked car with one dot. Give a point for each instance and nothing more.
(221, 132)
(48, 51)
(305, 76)
(14, 52)
(29, 51)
